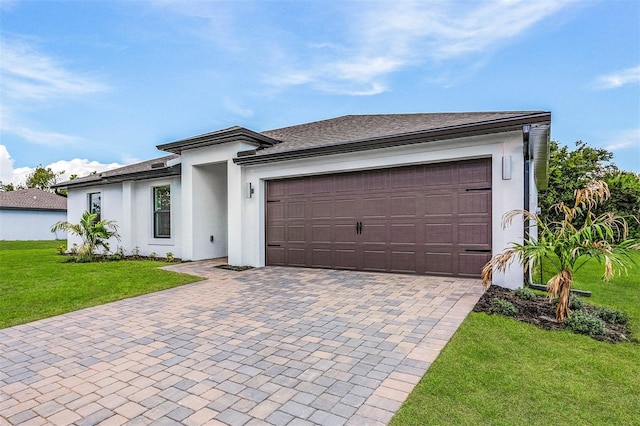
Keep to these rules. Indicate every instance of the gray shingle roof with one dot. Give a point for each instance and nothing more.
(352, 128)
(145, 166)
(32, 199)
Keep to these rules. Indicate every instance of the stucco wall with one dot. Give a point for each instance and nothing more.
(30, 225)
(507, 194)
(130, 205)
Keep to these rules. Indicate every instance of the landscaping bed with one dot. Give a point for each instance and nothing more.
(540, 312)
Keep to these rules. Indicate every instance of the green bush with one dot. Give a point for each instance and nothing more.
(503, 307)
(582, 322)
(575, 303)
(612, 316)
(525, 293)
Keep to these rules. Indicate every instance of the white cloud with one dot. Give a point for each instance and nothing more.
(618, 79)
(29, 74)
(387, 37)
(238, 109)
(28, 80)
(624, 139)
(77, 166)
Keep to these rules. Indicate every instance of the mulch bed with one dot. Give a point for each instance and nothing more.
(540, 312)
(234, 268)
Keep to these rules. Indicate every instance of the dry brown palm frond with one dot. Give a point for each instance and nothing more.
(593, 194)
(508, 218)
(560, 285)
(499, 262)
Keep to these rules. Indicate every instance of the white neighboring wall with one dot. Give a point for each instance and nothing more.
(30, 224)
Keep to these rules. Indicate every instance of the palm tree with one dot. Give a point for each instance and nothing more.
(569, 243)
(94, 233)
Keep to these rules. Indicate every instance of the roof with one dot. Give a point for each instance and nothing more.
(231, 134)
(156, 167)
(32, 199)
(352, 133)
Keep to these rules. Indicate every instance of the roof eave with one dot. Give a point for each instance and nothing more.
(236, 134)
(141, 175)
(450, 132)
(39, 209)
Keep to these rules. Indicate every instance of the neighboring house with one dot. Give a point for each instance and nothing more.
(409, 193)
(29, 214)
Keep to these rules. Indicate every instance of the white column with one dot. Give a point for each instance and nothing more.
(127, 225)
(235, 196)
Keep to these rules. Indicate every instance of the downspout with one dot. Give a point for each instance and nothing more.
(526, 151)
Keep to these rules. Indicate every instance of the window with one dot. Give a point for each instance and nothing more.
(162, 212)
(95, 204)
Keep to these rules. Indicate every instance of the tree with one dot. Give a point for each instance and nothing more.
(567, 244)
(570, 170)
(94, 233)
(7, 187)
(42, 178)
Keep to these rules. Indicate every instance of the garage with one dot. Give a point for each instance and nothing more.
(432, 219)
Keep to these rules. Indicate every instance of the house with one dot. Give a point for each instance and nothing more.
(408, 193)
(29, 214)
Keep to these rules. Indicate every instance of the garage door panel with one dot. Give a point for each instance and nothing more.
(404, 206)
(346, 259)
(438, 175)
(474, 234)
(374, 233)
(439, 205)
(439, 263)
(276, 255)
(321, 258)
(321, 234)
(345, 233)
(347, 209)
(426, 219)
(375, 207)
(275, 211)
(403, 233)
(473, 203)
(403, 261)
(471, 263)
(321, 209)
(296, 256)
(296, 210)
(439, 233)
(475, 172)
(375, 260)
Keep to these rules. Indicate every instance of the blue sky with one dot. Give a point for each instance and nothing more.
(87, 85)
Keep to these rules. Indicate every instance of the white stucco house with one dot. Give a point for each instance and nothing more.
(29, 214)
(409, 193)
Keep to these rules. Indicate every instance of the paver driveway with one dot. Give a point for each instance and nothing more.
(277, 346)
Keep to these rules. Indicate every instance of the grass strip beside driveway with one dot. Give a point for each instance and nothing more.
(36, 283)
(497, 371)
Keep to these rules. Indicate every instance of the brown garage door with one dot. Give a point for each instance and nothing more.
(426, 219)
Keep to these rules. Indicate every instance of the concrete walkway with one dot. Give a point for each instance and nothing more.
(268, 346)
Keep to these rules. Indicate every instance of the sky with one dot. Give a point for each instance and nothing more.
(91, 85)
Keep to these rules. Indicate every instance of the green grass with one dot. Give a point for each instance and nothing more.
(497, 371)
(36, 283)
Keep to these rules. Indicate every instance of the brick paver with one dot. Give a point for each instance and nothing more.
(274, 346)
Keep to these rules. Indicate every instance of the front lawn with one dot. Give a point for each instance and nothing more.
(501, 372)
(35, 282)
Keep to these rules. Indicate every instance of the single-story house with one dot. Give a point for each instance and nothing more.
(29, 214)
(407, 193)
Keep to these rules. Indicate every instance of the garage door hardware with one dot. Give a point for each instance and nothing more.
(273, 245)
(478, 189)
(358, 227)
(478, 250)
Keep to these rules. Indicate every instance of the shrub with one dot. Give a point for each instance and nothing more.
(62, 249)
(525, 293)
(575, 303)
(612, 316)
(135, 253)
(582, 322)
(153, 255)
(503, 307)
(170, 257)
(74, 249)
